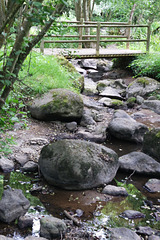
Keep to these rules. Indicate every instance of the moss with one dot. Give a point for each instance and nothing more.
(131, 100)
(143, 81)
(117, 102)
(158, 135)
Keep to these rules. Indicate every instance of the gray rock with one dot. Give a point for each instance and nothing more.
(52, 227)
(87, 119)
(94, 75)
(104, 65)
(88, 63)
(106, 101)
(139, 99)
(90, 87)
(115, 191)
(123, 234)
(2, 237)
(94, 133)
(58, 104)
(30, 166)
(34, 238)
(77, 164)
(154, 237)
(13, 205)
(146, 230)
(142, 86)
(154, 105)
(153, 185)
(124, 127)
(91, 103)
(25, 222)
(21, 158)
(111, 93)
(71, 126)
(131, 214)
(151, 143)
(140, 163)
(6, 165)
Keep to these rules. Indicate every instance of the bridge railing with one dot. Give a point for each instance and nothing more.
(98, 38)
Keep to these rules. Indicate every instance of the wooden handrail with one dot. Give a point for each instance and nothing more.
(98, 38)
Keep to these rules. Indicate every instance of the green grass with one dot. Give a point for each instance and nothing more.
(46, 73)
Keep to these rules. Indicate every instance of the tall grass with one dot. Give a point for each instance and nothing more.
(42, 73)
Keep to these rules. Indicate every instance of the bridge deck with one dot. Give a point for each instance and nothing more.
(91, 53)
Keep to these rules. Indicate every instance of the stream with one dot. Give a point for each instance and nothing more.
(95, 210)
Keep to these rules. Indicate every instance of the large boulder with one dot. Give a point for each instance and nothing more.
(142, 86)
(58, 104)
(140, 163)
(52, 227)
(151, 144)
(13, 205)
(122, 126)
(77, 164)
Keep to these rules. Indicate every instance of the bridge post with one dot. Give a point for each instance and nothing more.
(42, 47)
(148, 37)
(98, 38)
(80, 33)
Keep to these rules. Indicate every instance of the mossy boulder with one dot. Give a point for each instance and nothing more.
(142, 86)
(79, 79)
(58, 104)
(77, 164)
(151, 144)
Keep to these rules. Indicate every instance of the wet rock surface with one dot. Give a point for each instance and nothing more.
(123, 233)
(153, 185)
(115, 191)
(140, 163)
(13, 205)
(77, 164)
(132, 214)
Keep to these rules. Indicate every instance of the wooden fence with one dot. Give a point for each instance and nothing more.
(97, 38)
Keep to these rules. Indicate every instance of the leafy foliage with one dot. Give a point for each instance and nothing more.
(147, 65)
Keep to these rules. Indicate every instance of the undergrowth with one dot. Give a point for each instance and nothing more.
(147, 65)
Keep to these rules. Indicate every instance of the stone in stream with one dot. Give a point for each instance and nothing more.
(153, 185)
(122, 234)
(132, 214)
(151, 143)
(51, 227)
(115, 191)
(57, 104)
(142, 86)
(124, 127)
(13, 205)
(140, 163)
(90, 87)
(154, 105)
(146, 230)
(25, 221)
(6, 165)
(77, 164)
(30, 166)
(154, 237)
(111, 93)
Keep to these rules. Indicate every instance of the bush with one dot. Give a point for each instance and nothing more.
(147, 65)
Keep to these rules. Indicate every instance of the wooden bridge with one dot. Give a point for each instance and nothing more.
(94, 34)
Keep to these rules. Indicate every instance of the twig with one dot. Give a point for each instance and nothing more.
(69, 216)
(130, 176)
